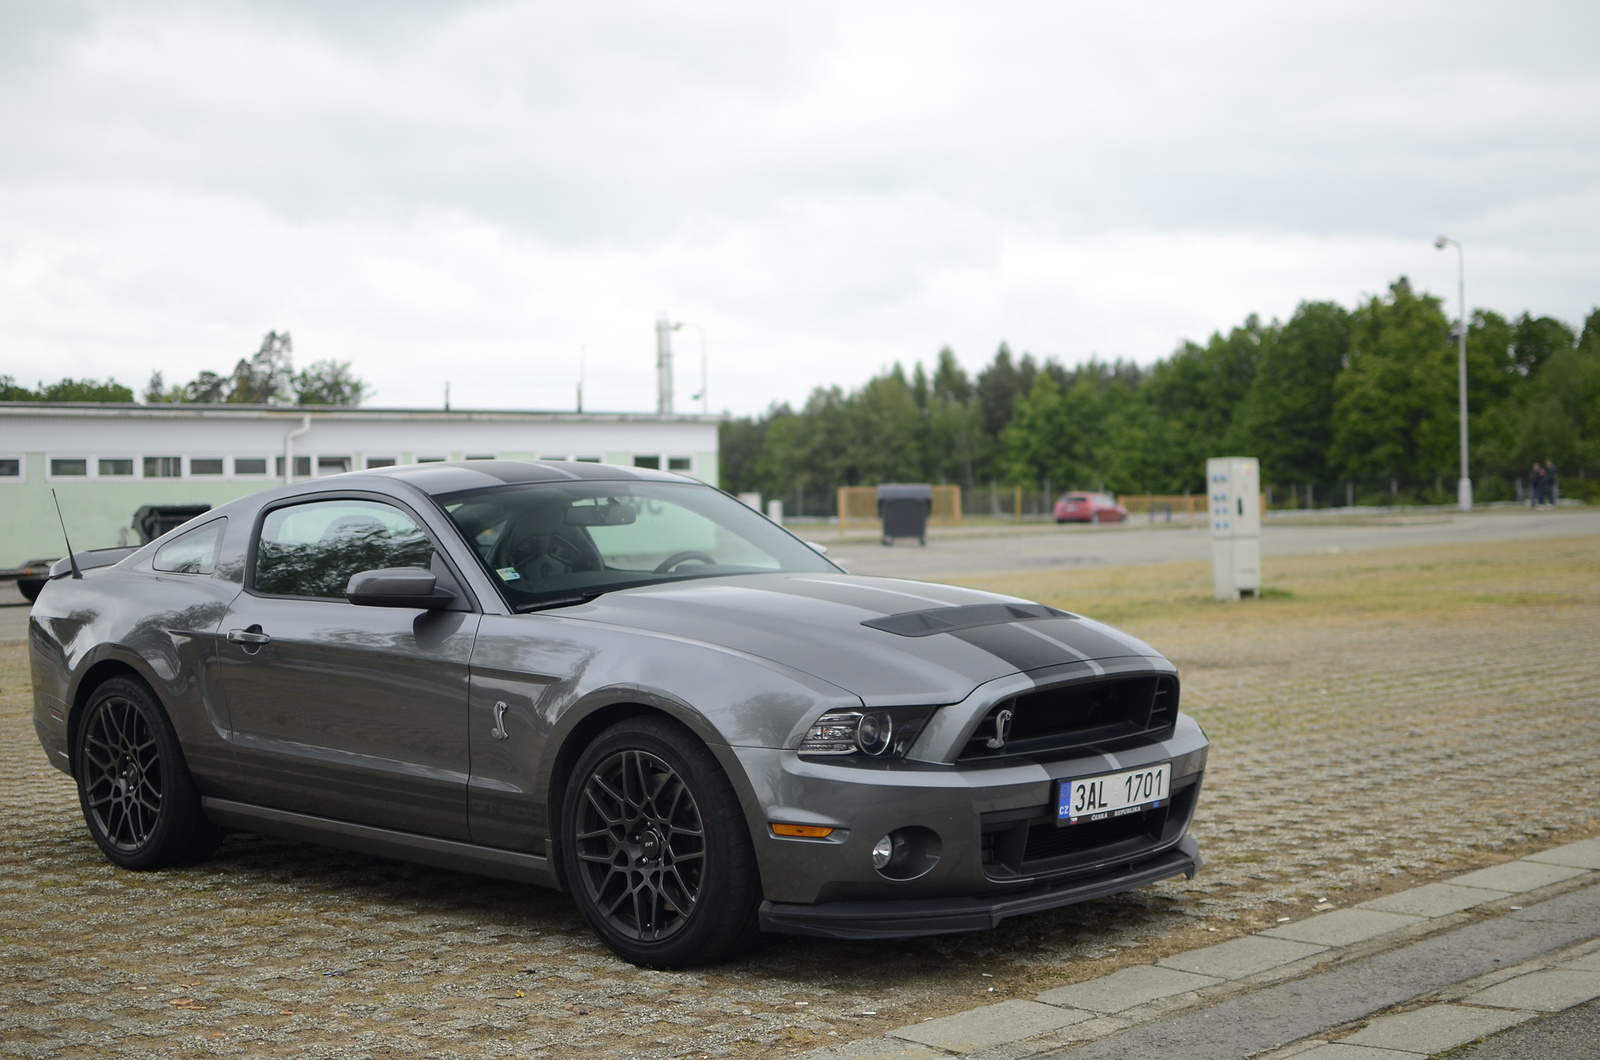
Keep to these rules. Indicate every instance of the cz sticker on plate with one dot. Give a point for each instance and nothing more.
(1112, 795)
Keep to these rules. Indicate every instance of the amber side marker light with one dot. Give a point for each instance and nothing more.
(802, 831)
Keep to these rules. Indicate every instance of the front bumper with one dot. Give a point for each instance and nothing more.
(990, 834)
(908, 918)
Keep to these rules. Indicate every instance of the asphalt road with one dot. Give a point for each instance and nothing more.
(953, 554)
(1570, 1035)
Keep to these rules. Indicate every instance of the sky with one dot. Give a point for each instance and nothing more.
(488, 194)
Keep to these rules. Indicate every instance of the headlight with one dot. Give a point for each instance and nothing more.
(883, 733)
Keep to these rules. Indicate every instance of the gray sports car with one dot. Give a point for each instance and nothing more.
(617, 682)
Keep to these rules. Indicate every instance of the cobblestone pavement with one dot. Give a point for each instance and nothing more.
(1359, 747)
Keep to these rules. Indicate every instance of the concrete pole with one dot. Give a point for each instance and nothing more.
(663, 364)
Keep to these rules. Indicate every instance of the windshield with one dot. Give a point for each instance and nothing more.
(554, 543)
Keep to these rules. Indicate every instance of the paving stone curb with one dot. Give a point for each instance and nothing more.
(1544, 900)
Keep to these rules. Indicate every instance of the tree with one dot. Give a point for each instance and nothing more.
(109, 391)
(1394, 413)
(1535, 340)
(329, 383)
(267, 378)
(1286, 418)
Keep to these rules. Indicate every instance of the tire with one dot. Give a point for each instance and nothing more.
(138, 799)
(655, 849)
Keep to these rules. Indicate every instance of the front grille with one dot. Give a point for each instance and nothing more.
(1070, 717)
(1035, 845)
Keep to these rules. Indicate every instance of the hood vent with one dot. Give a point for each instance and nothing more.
(951, 619)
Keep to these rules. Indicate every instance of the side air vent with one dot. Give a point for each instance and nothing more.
(1050, 721)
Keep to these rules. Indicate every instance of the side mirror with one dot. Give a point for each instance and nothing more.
(397, 587)
(821, 550)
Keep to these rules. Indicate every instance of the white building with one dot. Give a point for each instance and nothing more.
(105, 462)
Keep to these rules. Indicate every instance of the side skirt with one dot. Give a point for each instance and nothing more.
(384, 842)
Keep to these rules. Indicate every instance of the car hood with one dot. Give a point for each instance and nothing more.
(886, 640)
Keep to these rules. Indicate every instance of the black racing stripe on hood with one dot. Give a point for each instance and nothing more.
(1016, 646)
(951, 619)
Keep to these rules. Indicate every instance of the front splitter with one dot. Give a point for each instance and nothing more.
(909, 918)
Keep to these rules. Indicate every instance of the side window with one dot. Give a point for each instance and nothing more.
(193, 551)
(313, 549)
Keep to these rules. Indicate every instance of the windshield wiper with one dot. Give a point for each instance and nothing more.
(567, 601)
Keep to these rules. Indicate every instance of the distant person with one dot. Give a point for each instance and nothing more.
(1552, 483)
(1536, 485)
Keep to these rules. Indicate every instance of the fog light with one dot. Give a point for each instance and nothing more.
(882, 852)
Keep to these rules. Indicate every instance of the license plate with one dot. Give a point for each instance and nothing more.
(1112, 795)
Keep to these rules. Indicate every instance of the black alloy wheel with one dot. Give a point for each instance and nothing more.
(658, 855)
(140, 803)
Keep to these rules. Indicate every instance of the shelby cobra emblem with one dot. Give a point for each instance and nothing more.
(1002, 729)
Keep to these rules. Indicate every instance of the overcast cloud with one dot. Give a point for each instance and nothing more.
(472, 192)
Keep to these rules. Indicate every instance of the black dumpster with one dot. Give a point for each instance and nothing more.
(904, 509)
(153, 520)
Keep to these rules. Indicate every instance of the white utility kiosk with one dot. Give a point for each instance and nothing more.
(1234, 484)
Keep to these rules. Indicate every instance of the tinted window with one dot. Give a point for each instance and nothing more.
(10, 468)
(209, 465)
(557, 541)
(313, 549)
(250, 465)
(193, 551)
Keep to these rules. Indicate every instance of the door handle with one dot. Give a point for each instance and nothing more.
(252, 637)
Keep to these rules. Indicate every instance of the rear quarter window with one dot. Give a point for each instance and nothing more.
(193, 551)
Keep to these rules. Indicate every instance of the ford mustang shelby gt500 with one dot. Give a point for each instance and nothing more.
(618, 682)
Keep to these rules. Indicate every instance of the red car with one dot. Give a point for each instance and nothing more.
(1089, 508)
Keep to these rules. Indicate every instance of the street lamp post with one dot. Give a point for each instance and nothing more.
(700, 397)
(1464, 487)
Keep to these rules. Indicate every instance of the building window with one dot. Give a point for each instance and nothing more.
(302, 467)
(163, 467)
(332, 465)
(679, 463)
(647, 461)
(207, 465)
(472, 456)
(10, 468)
(250, 465)
(69, 467)
(554, 459)
(430, 459)
(380, 461)
(587, 459)
(116, 468)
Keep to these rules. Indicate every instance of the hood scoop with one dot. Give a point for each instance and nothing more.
(952, 619)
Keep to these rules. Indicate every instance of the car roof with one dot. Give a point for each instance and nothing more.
(454, 476)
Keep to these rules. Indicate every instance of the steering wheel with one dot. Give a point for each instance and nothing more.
(684, 557)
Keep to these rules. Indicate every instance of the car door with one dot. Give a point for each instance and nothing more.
(357, 713)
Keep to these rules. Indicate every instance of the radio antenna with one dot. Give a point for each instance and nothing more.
(72, 557)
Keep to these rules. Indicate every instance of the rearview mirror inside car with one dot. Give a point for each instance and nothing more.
(610, 514)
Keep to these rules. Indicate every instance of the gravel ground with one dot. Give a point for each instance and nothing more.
(1363, 742)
